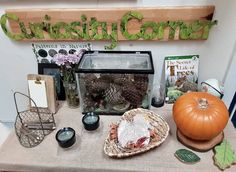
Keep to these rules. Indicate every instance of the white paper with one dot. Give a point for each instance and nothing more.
(38, 93)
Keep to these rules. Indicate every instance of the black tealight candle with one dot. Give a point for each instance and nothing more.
(90, 121)
(66, 137)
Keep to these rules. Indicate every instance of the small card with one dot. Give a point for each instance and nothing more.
(37, 92)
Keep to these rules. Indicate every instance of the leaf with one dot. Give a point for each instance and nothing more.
(187, 156)
(224, 155)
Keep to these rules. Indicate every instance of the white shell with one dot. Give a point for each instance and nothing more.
(132, 131)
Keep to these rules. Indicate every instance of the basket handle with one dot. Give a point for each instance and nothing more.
(15, 95)
(37, 110)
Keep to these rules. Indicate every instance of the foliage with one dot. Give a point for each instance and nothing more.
(173, 94)
(224, 155)
(89, 30)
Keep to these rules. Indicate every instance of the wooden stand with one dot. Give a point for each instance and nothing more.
(50, 89)
(201, 146)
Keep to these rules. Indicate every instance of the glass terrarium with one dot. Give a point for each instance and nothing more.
(112, 82)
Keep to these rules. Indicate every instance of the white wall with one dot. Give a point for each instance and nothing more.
(17, 58)
(230, 80)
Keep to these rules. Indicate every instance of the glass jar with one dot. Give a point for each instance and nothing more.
(71, 92)
(158, 97)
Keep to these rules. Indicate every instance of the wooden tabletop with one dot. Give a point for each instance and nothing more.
(87, 154)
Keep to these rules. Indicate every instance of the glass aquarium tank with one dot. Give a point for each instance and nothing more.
(113, 82)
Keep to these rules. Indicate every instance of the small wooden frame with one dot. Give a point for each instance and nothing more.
(53, 70)
(50, 90)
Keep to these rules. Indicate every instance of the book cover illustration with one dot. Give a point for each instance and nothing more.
(181, 75)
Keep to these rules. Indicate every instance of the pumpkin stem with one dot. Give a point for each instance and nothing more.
(203, 104)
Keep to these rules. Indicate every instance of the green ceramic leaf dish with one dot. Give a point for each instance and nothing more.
(187, 156)
(224, 155)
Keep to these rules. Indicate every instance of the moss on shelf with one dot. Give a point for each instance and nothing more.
(102, 30)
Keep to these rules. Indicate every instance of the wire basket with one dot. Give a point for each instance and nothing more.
(33, 124)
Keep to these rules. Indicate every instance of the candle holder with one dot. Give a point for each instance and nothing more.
(66, 137)
(91, 121)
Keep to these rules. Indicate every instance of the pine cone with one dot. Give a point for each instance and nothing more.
(141, 77)
(107, 77)
(141, 87)
(132, 96)
(129, 85)
(88, 78)
(141, 83)
(88, 103)
(122, 79)
(97, 86)
(113, 94)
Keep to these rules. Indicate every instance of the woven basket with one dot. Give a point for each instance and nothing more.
(112, 148)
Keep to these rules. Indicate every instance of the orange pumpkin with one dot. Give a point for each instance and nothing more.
(200, 115)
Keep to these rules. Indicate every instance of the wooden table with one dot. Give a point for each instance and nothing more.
(87, 154)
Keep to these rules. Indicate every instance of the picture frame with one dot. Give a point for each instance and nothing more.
(53, 70)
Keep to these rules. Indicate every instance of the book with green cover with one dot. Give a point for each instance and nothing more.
(181, 75)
